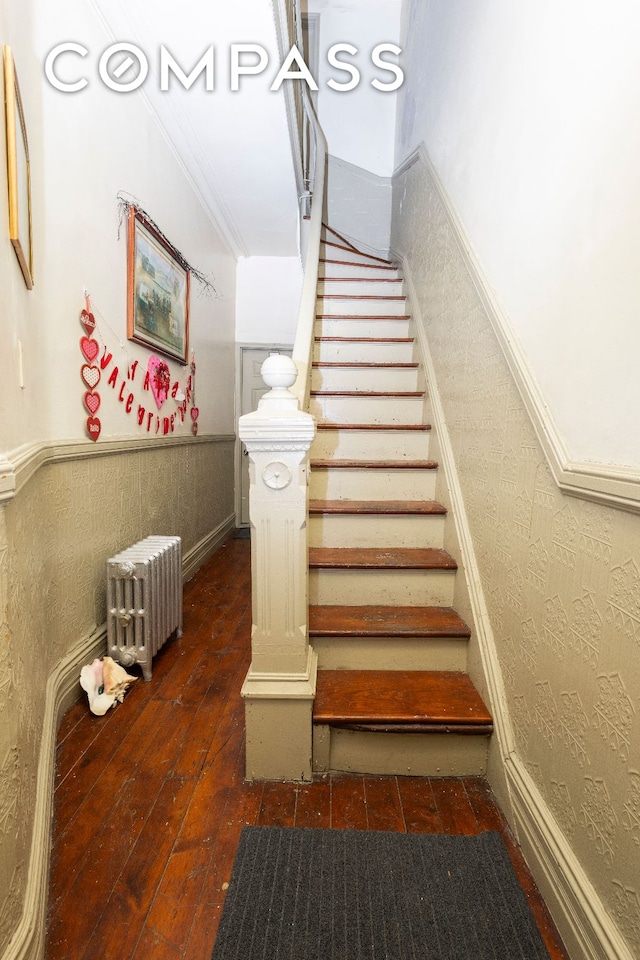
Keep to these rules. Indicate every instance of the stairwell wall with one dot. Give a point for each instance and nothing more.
(561, 592)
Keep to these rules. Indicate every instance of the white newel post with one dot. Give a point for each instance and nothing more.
(280, 685)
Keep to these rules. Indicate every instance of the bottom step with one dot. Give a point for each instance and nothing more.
(420, 723)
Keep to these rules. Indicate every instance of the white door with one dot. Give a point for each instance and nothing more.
(253, 387)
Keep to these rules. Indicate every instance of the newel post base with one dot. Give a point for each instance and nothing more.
(280, 686)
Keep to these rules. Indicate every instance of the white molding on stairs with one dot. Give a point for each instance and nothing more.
(602, 483)
(62, 690)
(582, 919)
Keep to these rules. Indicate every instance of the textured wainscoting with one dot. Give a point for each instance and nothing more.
(560, 581)
(71, 514)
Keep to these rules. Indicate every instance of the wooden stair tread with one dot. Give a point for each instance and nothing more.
(381, 558)
(364, 339)
(377, 507)
(383, 265)
(372, 621)
(363, 365)
(360, 296)
(329, 425)
(410, 394)
(359, 279)
(432, 699)
(362, 316)
(374, 465)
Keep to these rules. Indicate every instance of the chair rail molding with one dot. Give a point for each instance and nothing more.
(602, 483)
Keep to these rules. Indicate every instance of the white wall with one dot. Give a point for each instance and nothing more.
(530, 113)
(359, 206)
(268, 299)
(359, 124)
(87, 147)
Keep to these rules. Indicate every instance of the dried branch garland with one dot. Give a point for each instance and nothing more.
(125, 204)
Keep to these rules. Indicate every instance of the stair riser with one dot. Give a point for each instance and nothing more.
(371, 445)
(329, 252)
(376, 531)
(340, 352)
(358, 308)
(367, 409)
(387, 587)
(361, 328)
(392, 754)
(348, 270)
(375, 484)
(368, 378)
(361, 288)
(391, 653)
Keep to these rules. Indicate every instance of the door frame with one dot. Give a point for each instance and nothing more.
(240, 349)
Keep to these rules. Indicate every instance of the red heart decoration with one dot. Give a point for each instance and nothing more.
(93, 428)
(90, 375)
(88, 321)
(159, 379)
(194, 428)
(195, 412)
(92, 401)
(89, 348)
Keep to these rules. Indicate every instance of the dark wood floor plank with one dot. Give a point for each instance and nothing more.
(455, 810)
(418, 806)
(384, 807)
(278, 806)
(313, 804)
(348, 807)
(127, 906)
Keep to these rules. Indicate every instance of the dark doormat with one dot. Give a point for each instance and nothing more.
(356, 895)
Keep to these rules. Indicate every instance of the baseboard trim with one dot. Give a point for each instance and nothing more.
(62, 691)
(602, 483)
(584, 924)
(202, 551)
(586, 927)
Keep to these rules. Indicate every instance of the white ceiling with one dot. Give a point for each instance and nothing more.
(234, 146)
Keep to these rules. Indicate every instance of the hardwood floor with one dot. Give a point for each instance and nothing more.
(150, 799)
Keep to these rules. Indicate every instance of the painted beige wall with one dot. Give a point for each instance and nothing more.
(529, 112)
(559, 575)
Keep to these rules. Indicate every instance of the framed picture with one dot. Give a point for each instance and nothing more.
(157, 291)
(18, 171)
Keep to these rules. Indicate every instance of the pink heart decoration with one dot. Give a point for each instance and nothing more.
(92, 401)
(88, 321)
(159, 379)
(93, 428)
(90, 375)
(195, 412)
(89, 348)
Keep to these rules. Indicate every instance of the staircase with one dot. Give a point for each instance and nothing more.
(393, 695)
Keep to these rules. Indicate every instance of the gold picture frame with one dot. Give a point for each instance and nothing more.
(18, 171)
(158, 290)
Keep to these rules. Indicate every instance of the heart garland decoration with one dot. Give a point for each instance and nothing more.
(88, 321)
(93, 428)
(92, 402)
(160, 379)
(90, 349)
(90, 375)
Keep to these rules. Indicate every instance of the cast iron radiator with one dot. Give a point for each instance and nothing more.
(144, 600)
